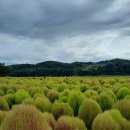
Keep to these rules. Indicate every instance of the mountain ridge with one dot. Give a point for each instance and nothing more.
(56, 68)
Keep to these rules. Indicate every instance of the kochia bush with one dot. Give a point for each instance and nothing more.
(124, 107)
(10, 98)
(116, 115)
(105, 101)
(20, 96)
(50, 119)
(43, 104)
(24, 117)
(59, 109)
(75, 99)
(2, 93)
(105, 122)
(3, 104)
(88, 110)
(52, 95)
(91, 94)
(123, 92)
(35, 90)
(69, 123)
(2, 116)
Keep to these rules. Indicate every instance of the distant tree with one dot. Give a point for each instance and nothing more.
(4, 70)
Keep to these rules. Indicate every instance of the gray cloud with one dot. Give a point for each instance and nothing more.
(82, 30)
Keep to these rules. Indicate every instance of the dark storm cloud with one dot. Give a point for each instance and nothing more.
(65, 30)
(48, 18)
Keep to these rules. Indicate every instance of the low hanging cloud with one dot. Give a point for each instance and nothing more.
(84, 30)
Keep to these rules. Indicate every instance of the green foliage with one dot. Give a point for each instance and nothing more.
(112, 94)
(43, 104)
(25, 118)
(91, 94)
(20, 96)
(88, 110)
(75, 100)
(52, 95)
(52, 68)
(105, 122)
(105, 101)
(66, 92)
(69, 123)
(28, 101)
(127, 97)
(116, 115)
(38, 95)
(3, 104)
(71, 96)
(61, 87)
(10, 98)
(59, 109)
(63, 99)
(50, 119)
(84, 88)
(4, 70)
(10, 91)
(124, 107)
(2, 93)
(35, 90)
(123, 92)
(2, 116)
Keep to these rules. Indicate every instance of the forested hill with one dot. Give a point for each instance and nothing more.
(53, 68)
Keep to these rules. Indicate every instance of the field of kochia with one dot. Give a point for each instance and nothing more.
(65, 103)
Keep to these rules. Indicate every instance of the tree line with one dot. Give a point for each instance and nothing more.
(53, 68)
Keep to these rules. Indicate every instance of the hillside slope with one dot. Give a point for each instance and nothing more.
(53, 68)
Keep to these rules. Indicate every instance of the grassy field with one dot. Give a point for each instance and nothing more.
(65, 103)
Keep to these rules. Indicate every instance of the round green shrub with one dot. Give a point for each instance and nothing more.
(10, 98)
(124, 107)
(75, 99)
(53, 95)
(45, 90)
(84, 88)
(91, 94)
(4, 87)
(127, 97)
(38, 95)
(10, 91)
(35, 90)
(101, 81)
(69, 123)
(43, 104)
(59, 109)
(88, 110)
(105, 122)
(21, 95)
(61, 87)
(63, 99)
(28, 101)
(50, 119)
(65, 93)
(112, 94)
(112, 81)
(24, 117)
(2, 116)
(2, 93)
(116, 115)
(105, 101)
(3, 104)
(116, 87)
(122, 93)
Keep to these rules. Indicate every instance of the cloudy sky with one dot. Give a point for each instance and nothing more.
(33, 31)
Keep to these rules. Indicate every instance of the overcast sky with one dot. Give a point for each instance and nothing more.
(33, 31)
